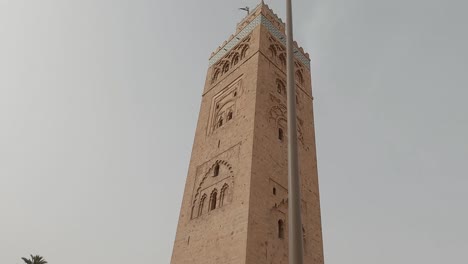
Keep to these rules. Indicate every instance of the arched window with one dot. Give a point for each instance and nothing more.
(272, 51)
(213, 198)
(235, 60)
(280, 87)
(224, 192)
(215, 76)
(280, 229)
(229, 116)
(193, 210)
(216, 170)
(299, 77)
(282, 59)
(280, 134)
(244, 51)
(226, 67)
(201, 205)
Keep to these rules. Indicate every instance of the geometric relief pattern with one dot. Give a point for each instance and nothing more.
(281, 89)
(233, 57)
(279, 35)
(223, 109)
(235, 40)
(247, 30)
(277, 115)
(277, 53)
(214, 189)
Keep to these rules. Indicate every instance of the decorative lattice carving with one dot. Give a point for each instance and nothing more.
(277, 52)
(278, 117)
(223, 108)
(210, 185)
(231, 59)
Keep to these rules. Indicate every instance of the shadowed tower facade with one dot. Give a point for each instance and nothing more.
(235, 207)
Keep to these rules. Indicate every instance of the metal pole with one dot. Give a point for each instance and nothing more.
(294, 201)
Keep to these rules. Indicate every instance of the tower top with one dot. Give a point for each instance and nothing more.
(262, 14)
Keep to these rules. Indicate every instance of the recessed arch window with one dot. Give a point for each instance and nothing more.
(235, 60)
(280, 87)
(244, 51)
(215, 76)
(201, 205)
(220, 122)
(280, 229)
(216, 170)
(280, 134)
(192, 212)
(299, 77)
(213, 199)
(226, 67)
(272, 51)
(282, 59)
(224, 192)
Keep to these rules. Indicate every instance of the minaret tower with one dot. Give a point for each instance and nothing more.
(235, 208)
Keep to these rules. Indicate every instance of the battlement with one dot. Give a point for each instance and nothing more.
(264, 15)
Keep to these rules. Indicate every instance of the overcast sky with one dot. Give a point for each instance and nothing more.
(99, 102)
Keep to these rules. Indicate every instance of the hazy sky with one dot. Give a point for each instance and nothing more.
(99, 101)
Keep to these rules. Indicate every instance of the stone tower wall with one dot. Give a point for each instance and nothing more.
(220, 235)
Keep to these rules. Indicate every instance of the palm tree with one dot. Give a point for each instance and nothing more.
(35, 260)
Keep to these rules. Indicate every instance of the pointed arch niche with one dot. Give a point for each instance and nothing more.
(224, 105)
(213, 189)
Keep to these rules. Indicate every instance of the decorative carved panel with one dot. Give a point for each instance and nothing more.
(214, 183)
(224, 105)
(231, 59)
(277, 53)
(277, 115)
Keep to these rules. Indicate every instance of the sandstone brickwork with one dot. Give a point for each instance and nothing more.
(234, 209)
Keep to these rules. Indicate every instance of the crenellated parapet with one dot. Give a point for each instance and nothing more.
(261, 15)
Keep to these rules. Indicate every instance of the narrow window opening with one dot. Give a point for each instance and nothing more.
(235, 94)
(229, 116)
(274, 191)
(226, 68)
(201, 205)
(219, 143)
(235, 60)
(223, 195)
(280, 134)
(280, 87)
(280, 229)
(216, 170)
(244, 52)
(220, 122)
(213, 200)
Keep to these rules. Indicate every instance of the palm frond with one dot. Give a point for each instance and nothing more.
(27, 261)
